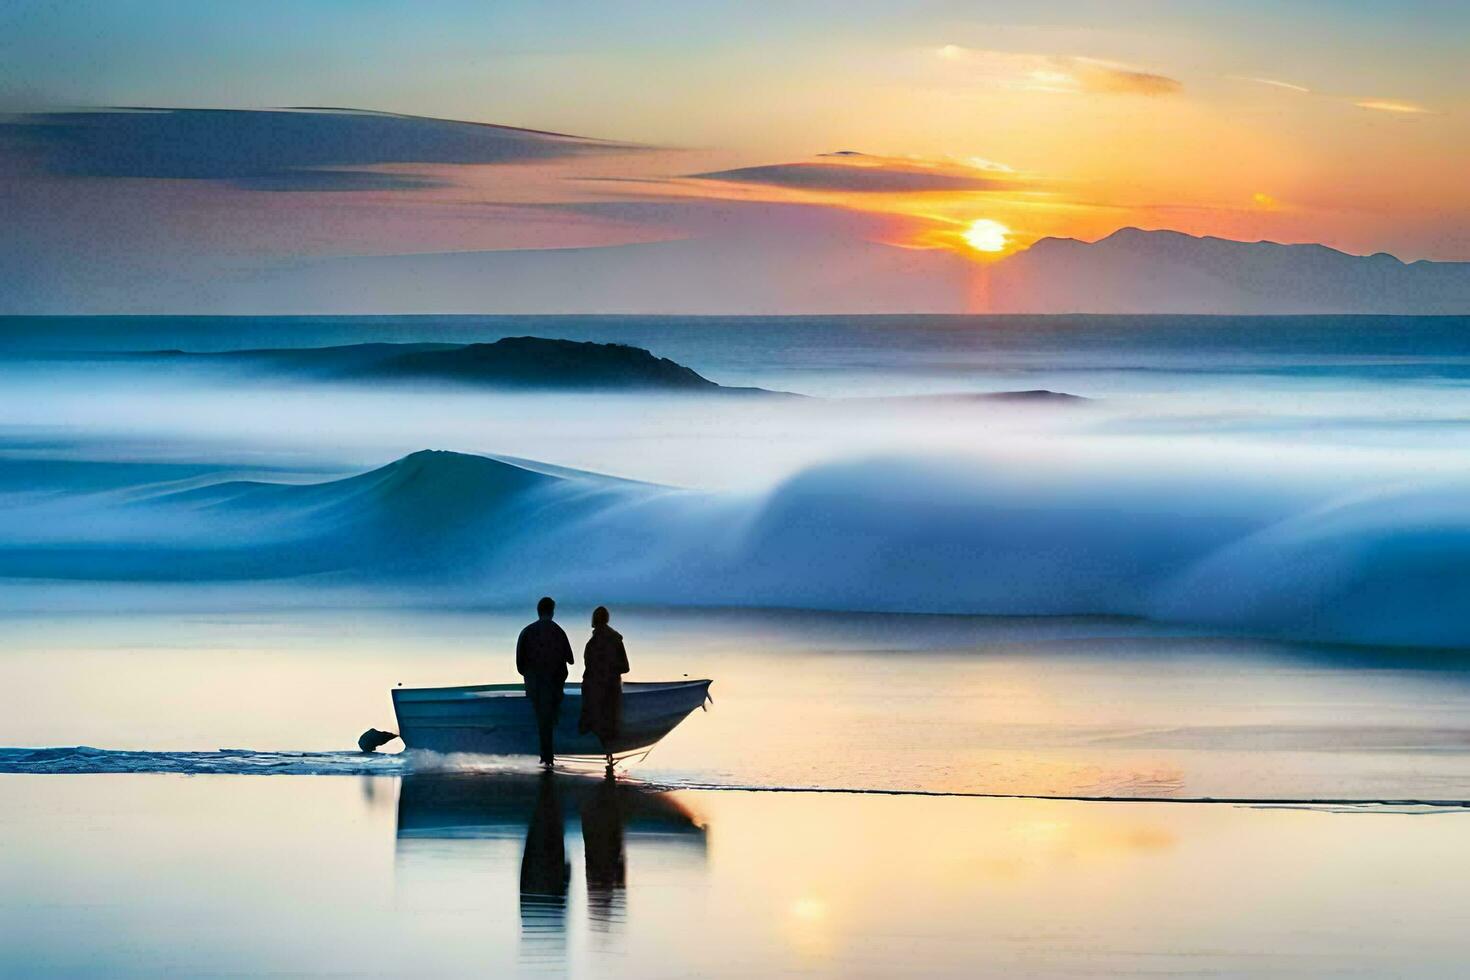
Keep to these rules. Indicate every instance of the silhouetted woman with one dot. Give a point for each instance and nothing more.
(603, 665)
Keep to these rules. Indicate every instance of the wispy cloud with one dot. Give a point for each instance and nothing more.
(1273, 82)
(1393, 105)
(1060, 73)
(276, 149)
(1090, 75)
(868, 175)
(1401, 106)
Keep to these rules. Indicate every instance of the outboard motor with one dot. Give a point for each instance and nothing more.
(371, 739)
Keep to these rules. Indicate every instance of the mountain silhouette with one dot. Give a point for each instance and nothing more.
(1136, 271)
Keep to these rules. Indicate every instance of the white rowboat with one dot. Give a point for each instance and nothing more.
(496, 719)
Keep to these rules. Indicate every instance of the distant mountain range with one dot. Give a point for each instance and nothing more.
(1131, 271)
(801, 273)
(768, 276)
(1136, 271)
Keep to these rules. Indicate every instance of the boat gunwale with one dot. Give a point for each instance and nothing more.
(514, 689)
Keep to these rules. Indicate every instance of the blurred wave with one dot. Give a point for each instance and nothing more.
(1244, 551)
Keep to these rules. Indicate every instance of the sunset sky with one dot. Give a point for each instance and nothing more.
(971, 129)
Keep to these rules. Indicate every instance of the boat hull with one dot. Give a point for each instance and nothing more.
(497, 719)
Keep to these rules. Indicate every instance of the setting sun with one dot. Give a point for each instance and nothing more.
(985, 235)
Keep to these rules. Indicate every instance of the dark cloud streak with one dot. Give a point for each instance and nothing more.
(336, 180)
(857, 179)
(275, 149)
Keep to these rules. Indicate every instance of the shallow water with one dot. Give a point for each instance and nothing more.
(1039, 706)
(140, 875)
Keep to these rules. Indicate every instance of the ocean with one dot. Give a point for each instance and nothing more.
(945, 620)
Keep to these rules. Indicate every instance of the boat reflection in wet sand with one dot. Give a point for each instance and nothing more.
(494, 719)
(465, 807)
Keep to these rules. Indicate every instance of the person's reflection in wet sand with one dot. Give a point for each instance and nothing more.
(606, 863)
(441, 816)
(545, 875)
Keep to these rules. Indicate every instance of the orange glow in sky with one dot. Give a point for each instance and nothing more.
(961, 134)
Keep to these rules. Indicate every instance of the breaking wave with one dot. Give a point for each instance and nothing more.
(1233, 551)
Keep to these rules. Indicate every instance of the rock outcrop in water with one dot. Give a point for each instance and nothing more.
(519, 363)
(535, 362)
(1028, 396)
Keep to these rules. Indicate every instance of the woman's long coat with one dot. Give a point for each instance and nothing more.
(604, 663)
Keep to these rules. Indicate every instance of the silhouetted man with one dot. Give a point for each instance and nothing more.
(545, 873)
(542, 655)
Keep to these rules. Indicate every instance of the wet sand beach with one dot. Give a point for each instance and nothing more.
(148, 875)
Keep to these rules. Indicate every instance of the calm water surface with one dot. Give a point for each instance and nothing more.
(148, 875)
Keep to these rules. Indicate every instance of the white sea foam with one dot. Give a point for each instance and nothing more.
(1244, 550)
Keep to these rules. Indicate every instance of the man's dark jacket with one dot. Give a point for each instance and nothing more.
(542, 654)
